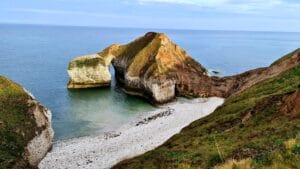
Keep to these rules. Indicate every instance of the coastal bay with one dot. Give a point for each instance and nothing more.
(104, 126)
(42, 69)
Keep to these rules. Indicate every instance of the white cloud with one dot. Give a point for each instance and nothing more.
(202, 3)
(64, 12)
(237, 6)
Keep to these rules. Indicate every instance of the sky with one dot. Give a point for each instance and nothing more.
(250, 15)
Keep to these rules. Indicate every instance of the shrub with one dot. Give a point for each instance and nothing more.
(264, 159)
(296, 149)
(215, 159)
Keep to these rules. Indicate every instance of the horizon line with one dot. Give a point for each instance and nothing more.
(117, 27)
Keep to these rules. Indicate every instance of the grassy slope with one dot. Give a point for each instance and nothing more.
(16, 125)
(222, 135)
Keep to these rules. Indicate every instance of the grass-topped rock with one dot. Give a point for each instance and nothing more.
(25, 127)
(154, 67)
(89, 71)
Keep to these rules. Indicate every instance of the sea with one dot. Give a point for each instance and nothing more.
(37, 57)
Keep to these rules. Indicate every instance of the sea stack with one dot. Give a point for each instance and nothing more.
(25, 127)
(89, 71)
(151, 66)
(154, 67)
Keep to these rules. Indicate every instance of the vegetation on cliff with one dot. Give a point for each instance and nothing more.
(251, 130)
(17, 124)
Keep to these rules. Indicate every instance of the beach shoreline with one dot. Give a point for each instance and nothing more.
(147, 132)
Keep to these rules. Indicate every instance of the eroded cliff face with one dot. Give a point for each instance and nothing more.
(25, 127)
(154, 67)
(291, 104)
(89, 71)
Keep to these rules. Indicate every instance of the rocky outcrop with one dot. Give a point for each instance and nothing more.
(25, 127)
(89, 71)
(154, 67)
(291, 104)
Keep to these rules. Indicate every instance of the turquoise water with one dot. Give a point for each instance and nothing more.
(37, 57)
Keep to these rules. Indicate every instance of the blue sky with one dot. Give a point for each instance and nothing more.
(258, 15)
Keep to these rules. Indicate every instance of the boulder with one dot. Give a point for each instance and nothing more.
(25, 127)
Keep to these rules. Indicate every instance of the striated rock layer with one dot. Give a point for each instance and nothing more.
(153, 67)
(89, 71)
(25, 127)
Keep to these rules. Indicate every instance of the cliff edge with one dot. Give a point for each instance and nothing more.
(25, 127)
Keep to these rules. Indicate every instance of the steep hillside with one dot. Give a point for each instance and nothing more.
(25, 127)
(257, 127)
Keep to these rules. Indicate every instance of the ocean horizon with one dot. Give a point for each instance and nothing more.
(146, 28)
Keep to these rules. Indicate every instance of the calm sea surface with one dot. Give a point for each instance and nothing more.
(37, 57)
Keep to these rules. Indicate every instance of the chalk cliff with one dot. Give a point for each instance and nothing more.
(154, 67)
(25, 127)
(89, 71)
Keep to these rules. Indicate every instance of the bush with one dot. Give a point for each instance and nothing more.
(263, 159)
(214, 160)
(296, 149)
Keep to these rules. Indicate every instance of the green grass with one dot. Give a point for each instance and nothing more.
(17, 126)
(222, 135)
(92, 62)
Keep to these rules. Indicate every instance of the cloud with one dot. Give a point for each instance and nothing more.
(202, 3)
(235, 6)
(63, 12)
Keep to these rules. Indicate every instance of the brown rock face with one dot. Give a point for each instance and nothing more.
(291, 104)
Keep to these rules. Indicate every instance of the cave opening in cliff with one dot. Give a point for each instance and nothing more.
(113, 82)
